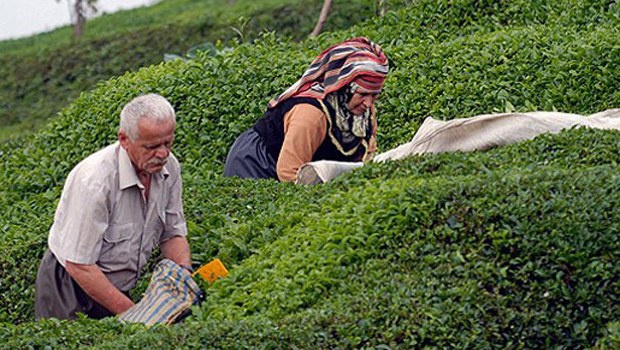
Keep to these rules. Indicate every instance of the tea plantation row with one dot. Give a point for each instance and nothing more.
(42, 74)
(510, 248)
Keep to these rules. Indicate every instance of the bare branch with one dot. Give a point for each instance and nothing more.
(78, 10)
(327, 5)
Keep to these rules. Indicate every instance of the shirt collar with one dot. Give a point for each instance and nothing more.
(127, 176)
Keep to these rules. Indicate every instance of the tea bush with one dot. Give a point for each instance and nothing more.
(514, 247)
(42, 74)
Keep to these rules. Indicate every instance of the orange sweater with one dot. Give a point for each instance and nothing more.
(305, 127)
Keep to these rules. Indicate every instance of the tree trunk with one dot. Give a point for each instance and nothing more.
(327, 5)
(381, 8)
(80, 18)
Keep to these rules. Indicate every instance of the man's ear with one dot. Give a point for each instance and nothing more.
(123, 139)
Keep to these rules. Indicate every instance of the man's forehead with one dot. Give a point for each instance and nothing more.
(149, 129)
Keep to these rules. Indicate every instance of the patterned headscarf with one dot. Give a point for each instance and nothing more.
(357, 59)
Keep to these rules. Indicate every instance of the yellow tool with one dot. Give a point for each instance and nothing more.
(212, 271)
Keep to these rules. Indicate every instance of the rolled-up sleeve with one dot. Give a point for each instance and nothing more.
(305, 127)
(174, 223)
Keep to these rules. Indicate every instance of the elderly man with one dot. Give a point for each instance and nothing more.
(116, 206)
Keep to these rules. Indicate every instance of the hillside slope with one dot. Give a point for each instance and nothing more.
(44, 73)
(515, 247)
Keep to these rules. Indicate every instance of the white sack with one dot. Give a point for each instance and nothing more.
(323, 170)
(468, 134)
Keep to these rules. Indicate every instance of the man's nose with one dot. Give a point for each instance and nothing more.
(162, 152)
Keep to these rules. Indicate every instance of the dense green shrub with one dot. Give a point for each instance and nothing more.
(514, 247)
(44, 73)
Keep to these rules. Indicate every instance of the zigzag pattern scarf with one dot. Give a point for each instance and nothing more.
(354, 65)
(356, 59)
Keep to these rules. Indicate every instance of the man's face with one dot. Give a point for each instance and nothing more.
(361, 101)
(150, 151)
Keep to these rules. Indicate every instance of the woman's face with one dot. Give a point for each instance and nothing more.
(361, 101)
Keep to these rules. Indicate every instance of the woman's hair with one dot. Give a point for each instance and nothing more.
(154, 107)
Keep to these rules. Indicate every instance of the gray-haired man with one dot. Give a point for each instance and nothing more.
(116, 206)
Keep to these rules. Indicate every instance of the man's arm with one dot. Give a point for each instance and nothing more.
(177, 250)
(98, 287)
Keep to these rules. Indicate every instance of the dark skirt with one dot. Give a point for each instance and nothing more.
(58, 295)
(248, 158)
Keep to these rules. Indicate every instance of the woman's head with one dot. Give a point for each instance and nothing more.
(355, 62)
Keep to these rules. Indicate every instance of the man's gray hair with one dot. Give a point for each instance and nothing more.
(152, 106)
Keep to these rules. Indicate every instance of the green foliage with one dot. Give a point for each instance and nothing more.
(515, 247)
(44, 73)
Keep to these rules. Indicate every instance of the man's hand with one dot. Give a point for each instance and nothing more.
(98, 287)
(177, 250)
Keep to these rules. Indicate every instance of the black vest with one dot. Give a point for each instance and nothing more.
(271, 129)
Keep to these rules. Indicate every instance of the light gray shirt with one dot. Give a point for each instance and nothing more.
(103, 218)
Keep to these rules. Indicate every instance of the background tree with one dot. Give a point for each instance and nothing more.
(381, 7)
(327, 5)
(78, 10)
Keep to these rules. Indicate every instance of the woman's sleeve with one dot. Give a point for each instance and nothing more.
(305, 127)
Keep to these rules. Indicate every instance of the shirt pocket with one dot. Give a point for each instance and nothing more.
(117, 244)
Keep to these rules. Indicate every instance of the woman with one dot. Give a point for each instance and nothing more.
(328, 114)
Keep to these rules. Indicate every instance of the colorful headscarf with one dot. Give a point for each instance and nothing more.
(356, 60)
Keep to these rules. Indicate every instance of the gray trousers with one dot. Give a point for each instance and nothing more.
(59, 296)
